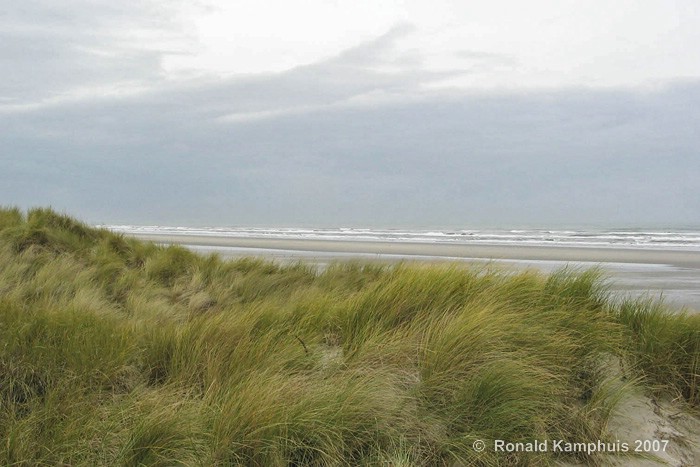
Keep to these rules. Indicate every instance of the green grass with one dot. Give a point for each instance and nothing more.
(119, 352)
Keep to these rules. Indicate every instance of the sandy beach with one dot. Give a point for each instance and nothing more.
(672, 274)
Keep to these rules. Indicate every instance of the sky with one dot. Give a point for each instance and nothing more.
(400, 113)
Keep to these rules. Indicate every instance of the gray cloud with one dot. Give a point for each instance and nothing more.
(566, 157)
(49, 49)
(351, 140)
(487, 60)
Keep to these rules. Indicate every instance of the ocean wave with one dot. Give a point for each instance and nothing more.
(684, 240)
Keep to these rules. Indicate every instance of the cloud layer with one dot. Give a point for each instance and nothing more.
(93, 126)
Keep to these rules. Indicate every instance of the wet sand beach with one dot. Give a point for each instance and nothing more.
(671, 274)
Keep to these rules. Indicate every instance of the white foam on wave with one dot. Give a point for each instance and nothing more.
(647, 239)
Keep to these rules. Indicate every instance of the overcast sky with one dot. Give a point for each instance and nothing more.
(353, 113)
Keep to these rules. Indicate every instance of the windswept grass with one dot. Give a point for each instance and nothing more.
(119, 352)
(665, 348)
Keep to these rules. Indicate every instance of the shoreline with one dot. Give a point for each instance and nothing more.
(678, 258)
(672, 275)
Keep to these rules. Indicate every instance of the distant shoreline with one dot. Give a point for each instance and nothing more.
(638, 272)
(678, 258)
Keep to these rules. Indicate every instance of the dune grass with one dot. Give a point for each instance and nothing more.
(119, 352)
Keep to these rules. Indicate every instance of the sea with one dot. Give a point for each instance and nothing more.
(618, 238)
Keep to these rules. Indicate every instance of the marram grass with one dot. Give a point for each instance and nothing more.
(119, 352)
